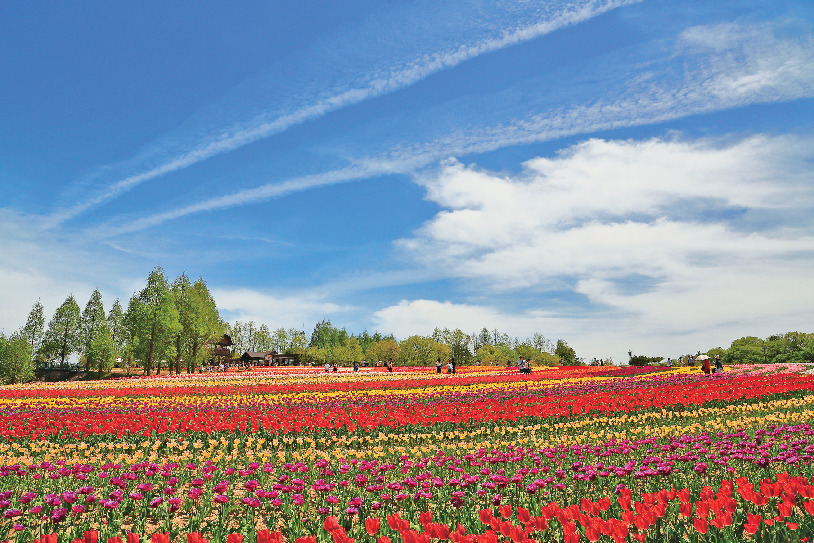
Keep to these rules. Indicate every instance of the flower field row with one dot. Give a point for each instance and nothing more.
(591, 454)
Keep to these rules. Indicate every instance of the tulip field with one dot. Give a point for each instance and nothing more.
(297, 455)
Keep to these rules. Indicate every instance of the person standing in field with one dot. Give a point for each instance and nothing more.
(438, 365)
(390, 365)
(705, 366)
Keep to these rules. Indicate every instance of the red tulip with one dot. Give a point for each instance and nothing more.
(372, 526)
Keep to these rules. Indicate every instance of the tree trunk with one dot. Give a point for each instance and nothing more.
(177, 355)
(191, 363)
(64, 345)
(150, 352)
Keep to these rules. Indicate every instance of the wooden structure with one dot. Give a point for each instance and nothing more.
(221, 351)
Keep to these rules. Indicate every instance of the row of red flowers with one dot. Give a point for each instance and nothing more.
(452, 408)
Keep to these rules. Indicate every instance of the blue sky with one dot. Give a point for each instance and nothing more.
(623, 175)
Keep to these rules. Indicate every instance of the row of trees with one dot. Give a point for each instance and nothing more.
(791, 347)
(248, 336)
(333, 345)
(162, 321)
(175, 322)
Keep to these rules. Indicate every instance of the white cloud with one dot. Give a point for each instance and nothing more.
(275, 311)
(47, 268)
(609, 214)
(574, 212)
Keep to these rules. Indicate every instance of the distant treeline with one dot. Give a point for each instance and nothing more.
(791, 347)
(173, 325)
(328, 343)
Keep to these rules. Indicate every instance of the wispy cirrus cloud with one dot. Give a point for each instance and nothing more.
(421, 54)
(778, 67)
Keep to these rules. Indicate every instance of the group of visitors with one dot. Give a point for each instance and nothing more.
(450, 365)
(524, 365)
(706, 363)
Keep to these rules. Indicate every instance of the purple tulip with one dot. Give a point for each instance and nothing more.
(59, 514)
(195, 493)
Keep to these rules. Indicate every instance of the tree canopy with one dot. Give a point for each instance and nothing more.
(64, 334)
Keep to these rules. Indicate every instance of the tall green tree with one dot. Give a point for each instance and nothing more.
(541, 343)
(93, 323)
(279, 340)
(418, 351)
(117, 328)
(484, 337)
(500, 338)
(297, 341)
(566, 353)
(746, 350)
(459, 343)
(383, 351)
(15, 359)
(262, 339)
(327, 336)
(529, 352)
(248, 336)
(101, 352)
(492, 355)
(199, 321)
(181, 290)
(351, 351)
(64, 334)
(153, 319)
(34, 328)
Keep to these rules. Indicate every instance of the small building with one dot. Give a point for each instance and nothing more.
(269, 358)
(251, 358)
(286, 360)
